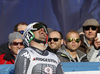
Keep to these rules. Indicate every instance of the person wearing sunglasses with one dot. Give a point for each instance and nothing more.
(55, 41)
(71, 53)
(15, 44)
(35, 59)
(89, 42)
(19, 27)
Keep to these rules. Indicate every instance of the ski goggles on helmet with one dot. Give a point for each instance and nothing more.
(38, 26)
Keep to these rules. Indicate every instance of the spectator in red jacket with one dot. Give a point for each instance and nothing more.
(15, 44)
(19, 27)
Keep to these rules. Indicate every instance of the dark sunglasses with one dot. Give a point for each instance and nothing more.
(39, 26)
(21, 32)
(88, 28)
(16, 43)
(54, 39)
(71, 39)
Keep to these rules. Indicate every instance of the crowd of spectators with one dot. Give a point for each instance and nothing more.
(36, 41)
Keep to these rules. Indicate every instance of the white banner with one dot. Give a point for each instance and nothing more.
(83, 72)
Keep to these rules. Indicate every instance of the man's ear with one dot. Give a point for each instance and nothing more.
(9, 46)
(79, 42)
(64, 42)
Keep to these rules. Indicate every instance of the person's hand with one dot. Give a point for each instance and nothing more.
(97, 43)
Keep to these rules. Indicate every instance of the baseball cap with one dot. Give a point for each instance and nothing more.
(91, 22)
(13, 36)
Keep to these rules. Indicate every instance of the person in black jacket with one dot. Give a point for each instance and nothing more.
(19, 27)
(55, 41)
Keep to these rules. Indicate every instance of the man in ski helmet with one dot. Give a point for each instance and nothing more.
(35, 59)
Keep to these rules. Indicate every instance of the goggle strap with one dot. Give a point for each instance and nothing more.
(39, 41)
(32, 37)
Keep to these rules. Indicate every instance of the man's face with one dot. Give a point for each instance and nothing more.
(90, 32)
(21, 28)
(40, 34)
(72, 41)
(55, 40)
(16, 45)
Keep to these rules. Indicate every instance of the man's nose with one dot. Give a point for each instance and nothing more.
(42, 29)
(73, 41)
(90, 30)
(19, 46)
